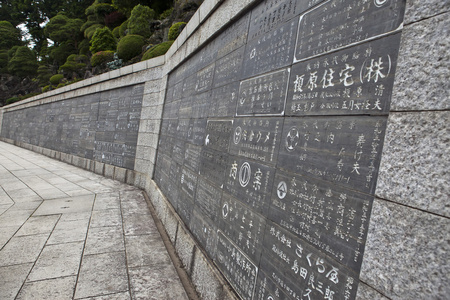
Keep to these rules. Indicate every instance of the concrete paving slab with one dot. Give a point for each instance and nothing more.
(24, 195)
(51, 193)
(6, 233)
(14, 217)
(104, 239)
(38, 225)
(106, 217)
(102, 274)
(23, 249)
(65, 205)
(117, 296)
(57, 261)
(146, 250)
(107, 201)
(52, 289)
(11, 280)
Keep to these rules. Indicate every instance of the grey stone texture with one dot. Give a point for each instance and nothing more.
(417, 10)
(421, 81)
(406, 254)
(414, 168)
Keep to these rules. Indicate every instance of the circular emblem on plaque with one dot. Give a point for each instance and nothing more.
(379, 3)
(225, 210)
(237, 135)
(182, 178)
(282, 189)
(244, 174)
(292, 139)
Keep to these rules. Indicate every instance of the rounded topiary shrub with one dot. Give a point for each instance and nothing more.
(157, 50)
(130, 46)
(175, 30)
(102, 57)
(116, 32)
(89, 32)
(123, 29)
(102, 40)
(139, 21)
(56, 79)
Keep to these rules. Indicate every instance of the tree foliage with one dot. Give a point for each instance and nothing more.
(23, 63)
(102, 40)
(139, 21)
(9, 35)
(62, 28)
(130, 46)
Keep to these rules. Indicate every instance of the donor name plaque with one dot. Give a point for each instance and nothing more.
(271, 142)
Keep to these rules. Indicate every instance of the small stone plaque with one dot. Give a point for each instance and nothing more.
(344, 151)
(192, 157)
(212, 165)
(250, 182)
(200, 105)
(197, 131)
(204, 230)
(271, 51)
(223, 100)
(188, 182)
(332, 219)
(240, 271)
(243, 226)
(228, 68)
(233, 37)
(218, 134)
(208, 198)
(356, 80)
(204, 79)
(256, 138)
(263, 95)
(185, 206)
(334, 25)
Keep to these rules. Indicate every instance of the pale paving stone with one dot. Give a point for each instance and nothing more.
(146, 250)
(69, 231)
(51, 289)
(11, 279)
(102, 274)
(22, 249)
(107, 217)
(14, 217)
(104, 239)
(57, 261)
(51, 193)
(138, 224)
(118, 296)
(24, 195)
(38, 225)
(66, 205)
(107, 201)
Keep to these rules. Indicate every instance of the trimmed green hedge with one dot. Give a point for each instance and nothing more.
(157, 50)
(175, 30)
(130, 46)
(102, 57)
(56, 79)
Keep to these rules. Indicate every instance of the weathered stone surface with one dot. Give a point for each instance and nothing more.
(412, 171)
(423, 65)
(57, 288)
(366, 292)
(204, 279)
(406, 253)
(417, 9)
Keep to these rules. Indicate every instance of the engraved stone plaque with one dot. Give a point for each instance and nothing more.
(218, 134)
(356, 80)
(344, 151)
(338, 24)
(208, 198)
(197, 131)
(228, 68)
(263, 95)
(192, 157)
(223, 100)
(212, 165)
(204, 230)
(256, 138)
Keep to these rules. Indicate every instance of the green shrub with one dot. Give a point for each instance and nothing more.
(102, 40)
(60, 85)
(130, 46)
(102, 57)
(44, 74)
(83, 47)
(56, 79)
(157, 50)
(89, 32)
(3, 61)
(123, 30)
(139, 21)
(12, 100)
(46, 88)
(165, 14)
(74, 63)
(116, 32)
(23, 63)
(175, 30)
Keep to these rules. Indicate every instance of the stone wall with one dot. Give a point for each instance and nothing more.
(408, 234)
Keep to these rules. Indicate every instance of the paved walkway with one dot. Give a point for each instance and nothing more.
(66, 233)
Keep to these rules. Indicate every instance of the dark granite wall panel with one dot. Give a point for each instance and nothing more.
(102, 126)
(281, 119)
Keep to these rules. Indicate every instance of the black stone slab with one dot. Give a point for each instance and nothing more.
(185, 206)
(204, 230)
(182, 128)
(192, 157)
(223, 100)
(337, 24)
(200, 105)
(171, 110)
(250, 182)
(263, 95)
(332, 219)
(271, 13)
(228, 68)
(213, 165)
(233, 37)
(270, 51)
(178, 151)
(204, 79)
(341, 150)
(296, 267)
(242, 226)
(356, 80)
(197, 131)
(240, 271)
(218, 135)
(207, 200)
(188, 182)
(256, 138)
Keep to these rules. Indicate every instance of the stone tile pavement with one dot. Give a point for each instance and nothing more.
(66, 233)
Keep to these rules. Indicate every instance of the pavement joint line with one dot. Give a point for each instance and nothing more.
(125, 246)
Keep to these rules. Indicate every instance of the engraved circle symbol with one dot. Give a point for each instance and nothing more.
(379, 3)
(282, 189)
(237, 135)
(245, 174)
(225, 210)
(292, 139)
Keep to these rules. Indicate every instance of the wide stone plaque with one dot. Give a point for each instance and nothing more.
(356, 80)
(337, 24)
(256, 138)
(332, 219)
(236, 266)
(263, 95)
(344, 151)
